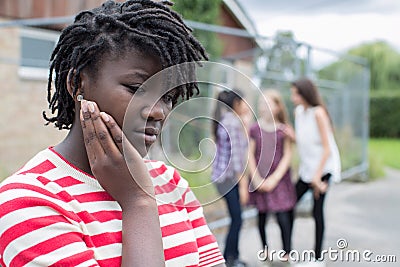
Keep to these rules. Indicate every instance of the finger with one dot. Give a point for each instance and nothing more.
(316, 194)
(103, 136)
(115, 130)
(324, 187)
(92, 145)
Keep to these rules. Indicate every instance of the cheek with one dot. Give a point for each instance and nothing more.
(119, 116)
(273, 109)
(244, 108)
(123, 111)
(168, 108)
(294, 97)
(261, 109)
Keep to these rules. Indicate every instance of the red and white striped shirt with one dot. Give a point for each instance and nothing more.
(53, 214)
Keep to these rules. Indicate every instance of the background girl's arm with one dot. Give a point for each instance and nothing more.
(256, 180)
(283, 166)
(238, 158)
(243, 189)
(324, 127)
(289, 132)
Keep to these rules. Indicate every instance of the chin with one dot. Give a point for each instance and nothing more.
(142, 149)
(139, 145)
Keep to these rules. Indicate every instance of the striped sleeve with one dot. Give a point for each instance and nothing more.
(37, 229)
(209, 252)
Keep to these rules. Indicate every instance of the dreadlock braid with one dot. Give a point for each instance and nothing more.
(112, 29)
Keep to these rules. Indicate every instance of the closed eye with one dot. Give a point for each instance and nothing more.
(168, 98)
(171, 97)
(133, 88)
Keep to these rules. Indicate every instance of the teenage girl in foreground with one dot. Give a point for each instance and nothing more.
(92, 200)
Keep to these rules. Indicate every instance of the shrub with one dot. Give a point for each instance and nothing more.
(385, 115)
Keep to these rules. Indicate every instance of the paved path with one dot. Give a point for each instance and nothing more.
(366, 215)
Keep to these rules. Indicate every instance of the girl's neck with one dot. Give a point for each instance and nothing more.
(268, 124)
(268, 120)
(73, 149)
(306, 106)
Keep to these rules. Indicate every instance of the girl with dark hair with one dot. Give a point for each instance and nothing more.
(228, 169)
(319, 155)
(92, 200)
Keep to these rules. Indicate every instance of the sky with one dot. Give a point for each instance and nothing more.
(332, 24)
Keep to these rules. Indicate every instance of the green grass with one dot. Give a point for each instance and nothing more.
(201, 185)
(386, 151)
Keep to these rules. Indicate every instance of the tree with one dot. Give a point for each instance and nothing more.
(383, 60)
(204, 11)
(384, 64)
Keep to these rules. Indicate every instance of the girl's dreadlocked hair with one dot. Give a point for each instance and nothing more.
(112, 29)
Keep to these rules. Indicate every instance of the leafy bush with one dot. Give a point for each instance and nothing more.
(385, 115)
(204, 11)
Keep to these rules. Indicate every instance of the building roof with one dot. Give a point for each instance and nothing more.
(243, 19)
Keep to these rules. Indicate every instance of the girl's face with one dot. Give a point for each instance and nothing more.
(118, 81)
(296, 98)
(267, 108)
(240, 107)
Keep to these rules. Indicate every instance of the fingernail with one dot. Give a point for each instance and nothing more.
(104, 116)
(91, 107)
(84, 106)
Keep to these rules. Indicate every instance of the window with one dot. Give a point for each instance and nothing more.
(36, 48)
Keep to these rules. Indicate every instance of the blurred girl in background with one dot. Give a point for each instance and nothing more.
(319, 155)
(229, 165)
(270, 154)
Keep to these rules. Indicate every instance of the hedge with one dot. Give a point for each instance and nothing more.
(385, 116)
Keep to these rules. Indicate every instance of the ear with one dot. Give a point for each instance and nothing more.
(70, 85)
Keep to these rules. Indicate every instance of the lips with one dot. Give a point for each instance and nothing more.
(151, 131)
(150, 135)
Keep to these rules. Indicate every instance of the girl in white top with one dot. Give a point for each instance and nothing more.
(319, 156)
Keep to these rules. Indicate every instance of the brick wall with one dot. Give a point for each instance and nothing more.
(22, 130)
(44, 8)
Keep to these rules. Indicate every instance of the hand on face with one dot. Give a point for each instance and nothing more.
(112, 156)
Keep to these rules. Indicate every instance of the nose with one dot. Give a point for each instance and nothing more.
(155, 112)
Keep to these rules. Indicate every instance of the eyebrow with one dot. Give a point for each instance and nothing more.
(142, 75)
